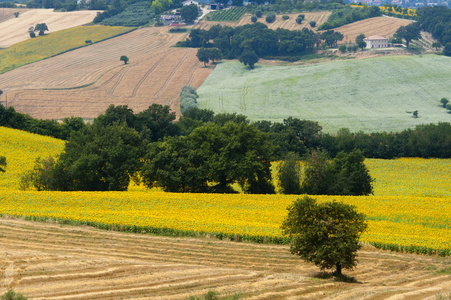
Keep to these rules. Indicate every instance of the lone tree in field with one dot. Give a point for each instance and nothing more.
(16, 14)
(248, 57)
(41, 27)
(2, 164)
(326, 234)
(448, 107)
(443, 101)
(124, 59)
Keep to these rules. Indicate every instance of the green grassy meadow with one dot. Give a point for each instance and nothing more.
(48, 45)
(371, 95)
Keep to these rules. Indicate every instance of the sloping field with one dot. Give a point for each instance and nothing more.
(381, 26)
(15, 30)
(371, 95)
(8, 13)
(319, 17)
(52, 261)
(89, 79)
(21, 149)
(49, 45)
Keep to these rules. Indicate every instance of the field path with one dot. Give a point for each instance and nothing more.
(52, 261)
(84, 82)
(14, 30)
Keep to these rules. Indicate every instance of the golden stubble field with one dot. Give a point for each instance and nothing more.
(381, 26)
(84, 82)
(14, 30)
(53, 261)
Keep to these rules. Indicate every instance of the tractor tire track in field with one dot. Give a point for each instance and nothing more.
(157, 94)
(193, 73)
(244, 92)
(53, 261)
(141, 81)
(118, 81)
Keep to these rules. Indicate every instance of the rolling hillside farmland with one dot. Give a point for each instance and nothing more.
(371, 95)
(15, 30)
(319, 17)
(84, 82)
(381, 26)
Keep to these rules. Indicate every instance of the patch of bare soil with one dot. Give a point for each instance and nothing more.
(51, 261)
(84, 82)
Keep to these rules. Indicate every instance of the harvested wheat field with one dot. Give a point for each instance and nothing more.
(84, 82)
(381, 26)
(319, 17)
(52, 261)
(14, 30)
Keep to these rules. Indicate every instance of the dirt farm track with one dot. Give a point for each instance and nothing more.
(52, 261)
(84, 82)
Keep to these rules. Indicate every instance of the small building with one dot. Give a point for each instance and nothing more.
(215, 6)
(376, 42)
(189, 2)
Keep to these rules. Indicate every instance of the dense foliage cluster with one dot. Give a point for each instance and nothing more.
(326, 234)
(348, 15)
(257, 37)
(437, 21)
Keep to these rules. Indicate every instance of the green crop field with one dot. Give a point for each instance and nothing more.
(372, 95)
(49, 45)
(233, 14)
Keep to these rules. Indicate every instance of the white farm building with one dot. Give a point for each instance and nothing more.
(376, 42)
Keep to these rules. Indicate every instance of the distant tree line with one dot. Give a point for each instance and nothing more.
(291, 135)
(347, 14)
(260, 40)
(292, 6)
(437, 21)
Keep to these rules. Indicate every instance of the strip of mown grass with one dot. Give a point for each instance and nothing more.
(55, 43)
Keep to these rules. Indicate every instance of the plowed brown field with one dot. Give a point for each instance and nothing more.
(51, 261)
(14, 30)
(84, 82)
(319, 17)
(381, 26)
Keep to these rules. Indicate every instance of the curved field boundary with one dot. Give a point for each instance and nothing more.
(84, 82)
(15, 30)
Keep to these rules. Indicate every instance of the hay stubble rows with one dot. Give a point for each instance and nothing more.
(84, 82)
(51, 261)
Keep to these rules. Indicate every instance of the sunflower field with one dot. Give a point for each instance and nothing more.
(409, 210)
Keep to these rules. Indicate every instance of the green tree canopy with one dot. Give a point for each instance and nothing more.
(289, 174)
(346, 174)
(203, 54)
(248, 58)
(41, 27)
(409, 32)
(189, 13)
(124, 59)
(326, 234)
(215, 154)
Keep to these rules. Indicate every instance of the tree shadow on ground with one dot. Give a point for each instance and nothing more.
(340, 278)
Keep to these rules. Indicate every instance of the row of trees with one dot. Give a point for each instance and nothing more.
(260, 40)
(291, 135)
